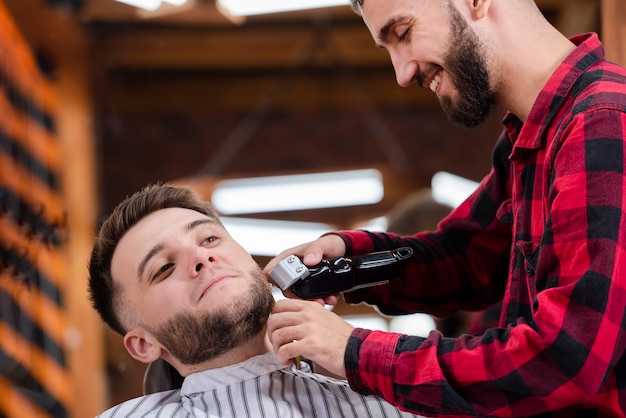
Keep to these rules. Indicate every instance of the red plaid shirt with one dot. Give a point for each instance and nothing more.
(546, 230)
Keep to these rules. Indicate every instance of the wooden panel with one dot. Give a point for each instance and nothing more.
(250, 46)
(614, 30)
(62, 42)
(32, 258)
(579, 16)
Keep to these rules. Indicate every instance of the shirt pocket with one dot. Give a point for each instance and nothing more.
(505, 212)
(529, 252)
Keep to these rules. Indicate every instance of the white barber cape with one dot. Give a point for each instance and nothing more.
(259, 387)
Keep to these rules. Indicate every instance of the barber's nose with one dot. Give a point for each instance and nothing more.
(404, 68)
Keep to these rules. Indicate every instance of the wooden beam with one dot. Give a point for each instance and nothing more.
(614, 30)
(256, 46)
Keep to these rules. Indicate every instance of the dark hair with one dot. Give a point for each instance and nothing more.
(103, 292)
(356, 6)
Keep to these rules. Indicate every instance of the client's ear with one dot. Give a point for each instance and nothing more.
(141, 345)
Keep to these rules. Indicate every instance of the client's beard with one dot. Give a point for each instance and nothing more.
(193, 339)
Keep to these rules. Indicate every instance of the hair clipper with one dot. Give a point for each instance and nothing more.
(343, 274)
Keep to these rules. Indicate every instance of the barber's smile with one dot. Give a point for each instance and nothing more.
(433, 81)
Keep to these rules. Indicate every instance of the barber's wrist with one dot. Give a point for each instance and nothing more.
(351, 360)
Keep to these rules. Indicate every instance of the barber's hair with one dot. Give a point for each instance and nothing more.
(104, 294)
(356, 6)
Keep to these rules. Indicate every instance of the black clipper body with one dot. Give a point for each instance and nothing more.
(343, 274)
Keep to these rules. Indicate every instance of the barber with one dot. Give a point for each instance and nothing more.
(544, 232)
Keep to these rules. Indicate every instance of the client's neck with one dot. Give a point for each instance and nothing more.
(257, 345)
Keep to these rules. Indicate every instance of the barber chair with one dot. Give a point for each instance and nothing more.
(160, 376)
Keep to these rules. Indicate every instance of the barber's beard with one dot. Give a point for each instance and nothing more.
(192, 339)
(469, 75)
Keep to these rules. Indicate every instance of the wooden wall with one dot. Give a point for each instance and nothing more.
(614, 30)
(161, 102)
(53, 34)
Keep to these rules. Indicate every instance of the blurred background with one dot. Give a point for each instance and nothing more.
(100, 98)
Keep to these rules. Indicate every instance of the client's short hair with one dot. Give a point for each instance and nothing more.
(103, 292)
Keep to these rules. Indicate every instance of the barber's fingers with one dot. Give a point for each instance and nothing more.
(306, 328)
(297, 251)
(311, 253)
(290, 322)
(286, 345)
(328, 300)
(329, 247)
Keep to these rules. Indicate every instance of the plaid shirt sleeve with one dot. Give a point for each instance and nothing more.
(545, 228)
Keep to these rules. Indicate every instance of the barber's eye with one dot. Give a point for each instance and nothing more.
(404, 35)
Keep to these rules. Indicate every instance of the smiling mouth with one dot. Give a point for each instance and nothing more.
(212, 283)
(434, 81)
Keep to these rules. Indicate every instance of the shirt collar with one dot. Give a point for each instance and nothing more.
(530, 134)
(249, 369)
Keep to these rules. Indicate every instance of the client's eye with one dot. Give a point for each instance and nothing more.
(162, 271)
(208, 240)
(165, 268)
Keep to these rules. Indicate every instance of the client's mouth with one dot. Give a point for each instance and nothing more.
(211, 283)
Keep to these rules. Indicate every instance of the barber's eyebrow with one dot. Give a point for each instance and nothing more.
(383, 33)
(160, 246)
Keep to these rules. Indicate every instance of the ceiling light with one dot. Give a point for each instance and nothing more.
(419, 324)
(378, 224)
(301, 191)
(268, 237)
(151, 5)
(451, 189)
(373, 322)
(256, 7)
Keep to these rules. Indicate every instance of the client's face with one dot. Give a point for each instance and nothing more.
(190, 284)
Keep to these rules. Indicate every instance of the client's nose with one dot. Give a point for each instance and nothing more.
(202, 260)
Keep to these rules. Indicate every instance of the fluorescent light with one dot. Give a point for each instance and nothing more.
(149, 5)
(419, 324)
(451, 189)
(268, 237)
(373, 322)
(379, 224)
(302, 191)
(256, 7)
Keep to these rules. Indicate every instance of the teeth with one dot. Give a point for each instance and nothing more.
(435, 83)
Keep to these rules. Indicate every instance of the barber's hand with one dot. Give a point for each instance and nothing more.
(311, 253)
(308, 329)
